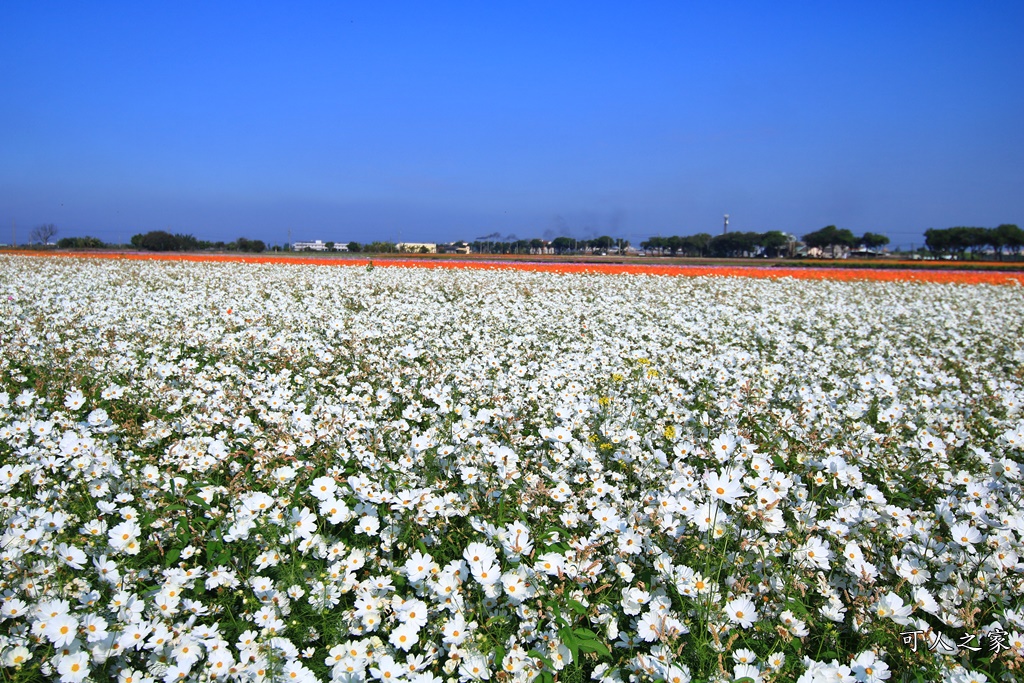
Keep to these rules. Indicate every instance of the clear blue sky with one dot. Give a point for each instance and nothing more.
(439, 121)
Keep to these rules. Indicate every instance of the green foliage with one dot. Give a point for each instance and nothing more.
(959, 240)
(830, 237)
(80, 243)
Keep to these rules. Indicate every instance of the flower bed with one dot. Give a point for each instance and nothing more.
(251, 471)
(859, 271)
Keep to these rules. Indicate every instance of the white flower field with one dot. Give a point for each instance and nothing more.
(258, 472)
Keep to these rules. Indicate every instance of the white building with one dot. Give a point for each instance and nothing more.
(309, 246)
(318, 245)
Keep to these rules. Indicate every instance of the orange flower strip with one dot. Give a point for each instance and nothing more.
(945, 275)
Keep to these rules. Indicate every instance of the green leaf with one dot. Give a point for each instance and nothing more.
(745, 679)
(585, 634)
(559, 620)
(172, 556)
(499, 656)
(198, 501)
(576, 606)
(569, 640)
(595, 646)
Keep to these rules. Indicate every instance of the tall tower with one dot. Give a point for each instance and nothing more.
(725, 228)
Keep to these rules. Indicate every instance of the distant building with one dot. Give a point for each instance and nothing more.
(416, 247)
(319, 245)
(836, 252)
(316, 245)
(864, 251)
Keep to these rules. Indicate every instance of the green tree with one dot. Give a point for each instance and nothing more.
(829, 238)
(380, 247)
(774, 242)
(872, 240)
(701, 243)
(1010, 237)
(938, 241)
(256, 246)
(652, 244)
(354, 247)
(735, 244)
(80, 243)
(186, 243)
(562, 244)
(156, 240)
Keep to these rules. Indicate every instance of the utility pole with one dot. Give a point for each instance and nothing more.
(726, 228)
(14, 238)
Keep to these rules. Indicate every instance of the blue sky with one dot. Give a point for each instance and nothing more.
(442, 121)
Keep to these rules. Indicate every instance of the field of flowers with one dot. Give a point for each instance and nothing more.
(260, 472)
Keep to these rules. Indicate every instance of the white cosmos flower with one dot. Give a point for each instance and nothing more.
(965, 535)
(369, 525)
(474, 667)
(71, 556)
(16, 656)
(74, 400)
(302, 522)
(891, 606)
(867, 667)
(486, 574)
(455, 630)
(723, 446)
(741, 611)
(814, 553)
(61, 630)
(73, 668)
(387, 669)
(405, 636)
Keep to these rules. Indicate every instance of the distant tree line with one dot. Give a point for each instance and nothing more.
(1007, 238)
(771, 243)
(161, 240)
(373, 248)
(830, 237)
(80, 243)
